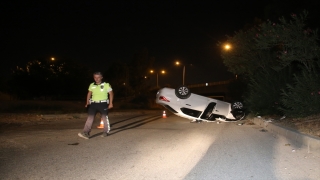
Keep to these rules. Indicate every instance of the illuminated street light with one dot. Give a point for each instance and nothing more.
(52, 59)
(162, 72)
(227, 46)
(183, 72)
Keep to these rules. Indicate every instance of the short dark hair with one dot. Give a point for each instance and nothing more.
(97, 73)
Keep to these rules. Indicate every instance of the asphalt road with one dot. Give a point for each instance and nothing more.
(147, 146)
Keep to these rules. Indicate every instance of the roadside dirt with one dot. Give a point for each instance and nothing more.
(308, 125)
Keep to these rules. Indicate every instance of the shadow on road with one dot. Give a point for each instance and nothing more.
(135, 124)
(112, 124)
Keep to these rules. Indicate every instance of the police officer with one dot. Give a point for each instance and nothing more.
(97, 100)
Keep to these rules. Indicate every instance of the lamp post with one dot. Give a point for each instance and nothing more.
(183, 71)
(162, 72)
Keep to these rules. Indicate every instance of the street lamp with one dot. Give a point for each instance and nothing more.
(183, 72)
(227, 47)
(162, 72)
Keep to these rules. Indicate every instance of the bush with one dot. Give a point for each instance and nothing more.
(303, 97)
(237, 89)
(268, 54)
(265, 91)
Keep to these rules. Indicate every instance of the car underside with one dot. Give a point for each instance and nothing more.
(182, 102)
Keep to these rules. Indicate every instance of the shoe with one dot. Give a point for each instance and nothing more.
(104, 134)
(83, 135)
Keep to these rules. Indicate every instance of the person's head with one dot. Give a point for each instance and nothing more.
(97, 76)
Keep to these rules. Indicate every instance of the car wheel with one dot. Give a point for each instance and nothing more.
(236, 105)
(182, 92)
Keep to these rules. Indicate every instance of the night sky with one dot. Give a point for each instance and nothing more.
(99, 32)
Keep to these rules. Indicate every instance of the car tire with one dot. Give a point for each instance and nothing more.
(237, 105)
(182, 92)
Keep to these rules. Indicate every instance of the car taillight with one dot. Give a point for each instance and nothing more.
(162, 98)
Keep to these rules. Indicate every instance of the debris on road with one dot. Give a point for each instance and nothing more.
(74, 144)
(268, 120)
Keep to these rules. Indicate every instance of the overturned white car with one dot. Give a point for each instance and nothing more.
(182, 102)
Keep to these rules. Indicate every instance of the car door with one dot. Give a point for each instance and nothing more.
(195, 102)
(222, 108)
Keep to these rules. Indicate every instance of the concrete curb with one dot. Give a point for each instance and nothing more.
(312, 144)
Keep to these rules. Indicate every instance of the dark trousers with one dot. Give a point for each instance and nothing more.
(92, 110)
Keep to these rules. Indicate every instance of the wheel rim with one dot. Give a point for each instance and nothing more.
(237, 105)
(183, 91)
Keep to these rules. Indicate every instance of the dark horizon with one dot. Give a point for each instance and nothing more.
(98, 34)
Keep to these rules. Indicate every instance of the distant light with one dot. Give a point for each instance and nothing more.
(52, 59)
(177, 62)
(206, 84)
(227, 46)
(163, 71)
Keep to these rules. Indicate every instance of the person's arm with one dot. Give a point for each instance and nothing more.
(110, 99)
(88, 98)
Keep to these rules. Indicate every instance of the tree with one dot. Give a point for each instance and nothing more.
(302, 98)
(292, 42)
(269, 54)
(296, 47)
